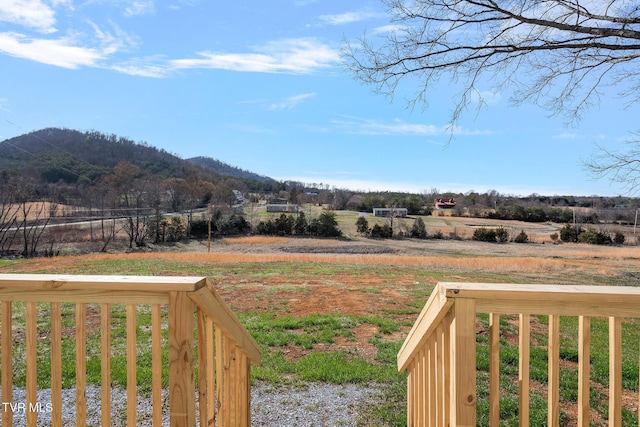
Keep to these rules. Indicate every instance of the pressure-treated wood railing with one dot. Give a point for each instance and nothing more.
(439, 353)
(191, 310)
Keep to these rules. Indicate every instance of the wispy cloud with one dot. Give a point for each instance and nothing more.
(291, 102)
(362, 126)
(349, 17)
(139, 7)
(296, 56)
(62, 52)
(289, 56)
(33, 14)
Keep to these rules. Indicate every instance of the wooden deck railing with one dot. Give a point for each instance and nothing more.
(186, 308)
(440, 350)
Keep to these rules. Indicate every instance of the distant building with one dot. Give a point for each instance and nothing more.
(283, 207)
(387, 212)
(446, 203)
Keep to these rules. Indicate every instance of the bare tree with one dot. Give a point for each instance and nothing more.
(556, 53)
(621, 166)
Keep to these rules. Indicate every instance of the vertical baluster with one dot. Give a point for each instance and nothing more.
(7, 362)
(245, 379)
(56, 365)
(203, 368)
(615, 372)
(584, 368)
(221, 399)
(553, 412)
(447, 365)
(156, 364)
(105, 364)
(211, 372)
(431, 385)
(420, 388)
(494, 370)
(226, 393)
(132, 393)
(32, 362)
(439, 376)
(81, 364)
(411, 416)
(523, 376)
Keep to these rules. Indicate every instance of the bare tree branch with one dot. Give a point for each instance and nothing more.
(556, 53)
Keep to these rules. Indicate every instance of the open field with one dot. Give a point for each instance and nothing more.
(337, 311)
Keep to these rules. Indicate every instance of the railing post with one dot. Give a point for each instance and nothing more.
(182, 405)
(463, 359)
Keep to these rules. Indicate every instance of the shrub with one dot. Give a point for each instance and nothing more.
(362, 226)
(381, 231)
(554, 236)
(594, 237)
(438, 235)
(569, 233)
(483, 234)
(419, 230)
(618, 239)
(522, 237)
(502, 235)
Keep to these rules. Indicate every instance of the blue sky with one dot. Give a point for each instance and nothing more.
(260, 85)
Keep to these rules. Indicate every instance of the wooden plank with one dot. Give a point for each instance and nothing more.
(31, 338)
(463, 353)
(132, 382)
(435, 309)
(202, 368)
(182, 405)
(220, 399)
(448, 367)
(105, 364)
(411, 405)
(156, 364)
(553, 411)
(584, 369)
(56, 365)
(615, 372)
(7, 361)
(81, 364)
(440, 385)
(431, 384)
(523, 371)
(566, 300)
(421, 392)
(62, 282)
(211, 372)
(494, 370)
(212, 305)
(227, 386)
(245, 386)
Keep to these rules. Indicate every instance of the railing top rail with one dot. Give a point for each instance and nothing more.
(64, 282)
(568, 300)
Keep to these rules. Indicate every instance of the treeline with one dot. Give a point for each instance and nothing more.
(531, 214)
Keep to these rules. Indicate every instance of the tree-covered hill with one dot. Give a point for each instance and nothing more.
(56, 155)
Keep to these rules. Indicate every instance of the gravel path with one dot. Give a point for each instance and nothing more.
(312, 405)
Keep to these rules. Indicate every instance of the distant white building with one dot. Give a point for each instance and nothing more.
(286, 208)
(388, 212)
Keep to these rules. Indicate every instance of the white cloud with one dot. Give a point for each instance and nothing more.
(291, 102)
(361, 126)
(349, 17)
(139, 7)
(62, 52)
(294, 56)
(28, 13)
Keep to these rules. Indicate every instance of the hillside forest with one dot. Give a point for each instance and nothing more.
(61, 186)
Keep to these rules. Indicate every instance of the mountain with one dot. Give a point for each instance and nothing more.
(56, 155)
(226, 169)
